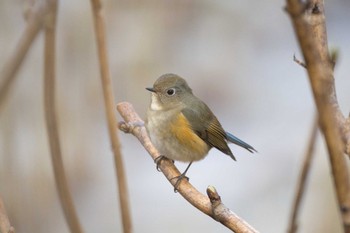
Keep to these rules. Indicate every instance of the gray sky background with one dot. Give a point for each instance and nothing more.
(236, 55)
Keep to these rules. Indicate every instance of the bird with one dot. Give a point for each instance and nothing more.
(182, 127)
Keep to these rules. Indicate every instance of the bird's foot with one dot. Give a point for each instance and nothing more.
(129, 127)
(178, 180)
(159, 159)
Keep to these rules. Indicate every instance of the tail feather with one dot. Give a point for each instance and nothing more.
(231, 138)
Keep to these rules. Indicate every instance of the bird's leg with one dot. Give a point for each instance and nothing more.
(159, 159)
(180, 177)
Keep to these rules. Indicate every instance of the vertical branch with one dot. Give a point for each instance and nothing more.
(10, 68)
(308, 19)
(304, 173)
(5, 225)
(51, 121)
(110, 113)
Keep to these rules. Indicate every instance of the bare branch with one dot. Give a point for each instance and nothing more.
(5, 225)
(110, 113)
(309, 23)
(223, 214)
(346, 132)
(10, 68)
(51, 121)
(304, 173)
(134, 125)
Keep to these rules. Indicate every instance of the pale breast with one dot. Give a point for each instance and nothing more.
(171, 134)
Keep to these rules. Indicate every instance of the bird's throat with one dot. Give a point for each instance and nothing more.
(156, 105)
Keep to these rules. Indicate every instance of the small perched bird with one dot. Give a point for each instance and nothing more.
(181, 126)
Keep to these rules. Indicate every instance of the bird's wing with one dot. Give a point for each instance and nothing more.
(207, 127)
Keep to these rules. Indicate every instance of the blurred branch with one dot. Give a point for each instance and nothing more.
(308, 19)
(5, 225)
(51, 121)
(110, 113)
(304, 173)
(10, 68)
(214, 209)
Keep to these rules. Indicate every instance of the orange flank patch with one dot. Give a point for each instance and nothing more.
(181, 129)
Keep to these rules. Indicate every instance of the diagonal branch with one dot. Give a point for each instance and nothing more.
(10, 68)
(111, 115)
(51, 121)
(134, 125)
(304, 173)
(308, 19)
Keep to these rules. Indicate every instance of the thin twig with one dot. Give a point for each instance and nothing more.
(10, 68)
(304, 173)
(295, 59)
(308, 19)
(51, 121)
(5, 225)
(134, 125)
(110, 113)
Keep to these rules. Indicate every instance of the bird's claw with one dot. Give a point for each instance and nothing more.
(159, 159)
(129, 127)
(179, 178)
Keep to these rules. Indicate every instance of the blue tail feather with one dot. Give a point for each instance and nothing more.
(231, 138)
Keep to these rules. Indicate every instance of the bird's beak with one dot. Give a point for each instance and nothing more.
(151, 89)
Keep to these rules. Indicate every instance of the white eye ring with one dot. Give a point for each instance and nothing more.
(171, 91)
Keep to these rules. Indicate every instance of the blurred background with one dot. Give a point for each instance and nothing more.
(236, 55)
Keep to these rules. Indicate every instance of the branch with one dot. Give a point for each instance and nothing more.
(10, 68)
(310, 27)
(222, 214)
(347, 135)
(5, 225)
(110, 113)
(51, 121)
(304, 173)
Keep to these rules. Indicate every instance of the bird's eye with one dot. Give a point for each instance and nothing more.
(171, 91)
